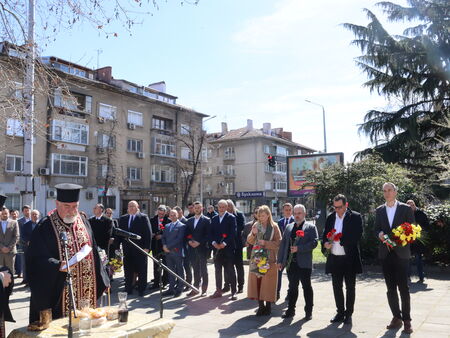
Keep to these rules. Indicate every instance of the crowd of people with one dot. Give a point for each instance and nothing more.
(31, 248)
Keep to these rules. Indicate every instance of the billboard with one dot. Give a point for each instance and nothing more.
(299, 165)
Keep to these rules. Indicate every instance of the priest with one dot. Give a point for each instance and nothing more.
(45, 258)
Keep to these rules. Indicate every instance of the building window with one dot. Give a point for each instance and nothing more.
(186, 153)
(185, 129)
(103, 171)
(70, 132)
(134, 146)
(162, 146)
(162, 124)
(107, 201)
(280, 185)
(14, 163)
(281, 167)
(268, 185)
(17, 91)
(268, 169)
(14, 127)
(106, 141)
(107, 111)
(163, 173)
(69, 165)
(13, 201)
(267, 149)
(229, 153)
(134, 174)
(72, 101)
(229, 170)
(135, 118)
(229, 188)
(282, 151)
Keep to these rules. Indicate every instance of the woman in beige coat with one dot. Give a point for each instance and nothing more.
(262, 281)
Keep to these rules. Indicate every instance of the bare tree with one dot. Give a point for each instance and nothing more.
(193, 140)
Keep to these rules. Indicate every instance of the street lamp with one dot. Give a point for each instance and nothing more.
(201, 167)
(324, 129)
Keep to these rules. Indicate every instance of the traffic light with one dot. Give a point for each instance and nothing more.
(271, 161)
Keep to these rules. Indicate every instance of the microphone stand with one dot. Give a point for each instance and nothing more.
(162, 266)
(71, 295)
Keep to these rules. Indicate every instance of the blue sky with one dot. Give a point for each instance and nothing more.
(252, 59)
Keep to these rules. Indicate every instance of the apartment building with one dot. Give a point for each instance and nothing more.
(121, 141)
(238, 167)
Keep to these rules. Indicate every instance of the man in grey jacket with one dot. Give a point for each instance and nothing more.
(295, 253)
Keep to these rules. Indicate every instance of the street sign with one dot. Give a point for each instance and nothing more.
(250, 194)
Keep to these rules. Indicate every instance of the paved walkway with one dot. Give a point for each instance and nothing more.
(204, 317)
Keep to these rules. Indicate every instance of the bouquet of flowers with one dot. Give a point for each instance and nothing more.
(332, 236)
(161, 226)
(116, 263)
(298, 234)
(259, 261)
(406, 233)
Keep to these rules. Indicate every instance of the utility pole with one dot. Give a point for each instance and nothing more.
(324, 129)
(28, 121)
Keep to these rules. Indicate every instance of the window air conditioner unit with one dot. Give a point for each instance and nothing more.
(101, 119)
(140, 155)
(51, 193)
(44, 171)
(155, 199)
(89, 195)
(131, 126)
(100, 150)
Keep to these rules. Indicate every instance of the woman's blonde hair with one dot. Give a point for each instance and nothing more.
(265, 209)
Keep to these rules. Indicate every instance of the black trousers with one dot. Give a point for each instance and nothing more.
(296, 275)
(187, 268)
(135, 264)
(341, 272)
(224, 260)
(238, 264)
(395, 271)
(198, 261)
(158, 253)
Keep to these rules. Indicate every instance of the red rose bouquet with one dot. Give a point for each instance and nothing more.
(298, 234)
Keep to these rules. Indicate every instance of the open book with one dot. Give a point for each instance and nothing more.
(84, 251)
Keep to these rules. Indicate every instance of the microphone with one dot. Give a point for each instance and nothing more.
(126, 234)
(63, 237)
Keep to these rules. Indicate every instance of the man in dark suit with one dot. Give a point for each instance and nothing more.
(210, 212)
(27, 230)
(197, 229)
(300, 267)
(133, 260)
(19, 264)
(158, 222)
(102, 227)
(418, 248)
(173, 242)
(395, 261)
(186, 260)
(222, 238)
(282, 224)
(239, 245)
(343, 261)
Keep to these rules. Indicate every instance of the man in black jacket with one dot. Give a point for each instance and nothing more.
(197, 230)
(158, 222)
(102, 227)
(395, 261)
(343, 261)
(134, 261)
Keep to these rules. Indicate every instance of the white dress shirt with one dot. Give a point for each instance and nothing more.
(337, 249)
(196, 219)
(4, 225)
(390, 211)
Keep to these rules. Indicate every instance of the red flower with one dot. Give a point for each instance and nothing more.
(333, 231)
(224, 235)
(337, 237)
(256, 247)
(189, 236)
(300, 233)
(329, 234)
(176, 249)
(162, 227)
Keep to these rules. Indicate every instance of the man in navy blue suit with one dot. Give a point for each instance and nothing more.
(197, 229)
(282, 224)
(222, 238)
(133, 260)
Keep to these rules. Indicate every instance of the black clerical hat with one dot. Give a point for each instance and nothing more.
(2, 200)
(68, 192)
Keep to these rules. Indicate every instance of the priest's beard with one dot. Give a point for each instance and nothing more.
(69, 219)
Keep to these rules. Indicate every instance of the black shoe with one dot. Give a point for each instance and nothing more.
(337, 318)
(420, 281)
(308, 316)
(278, 296)
(286, 299)
(288, 314)
(233, 296)
(154, 286)
(240, 289)
(177, 294)
(267, 310)
(225, 289)
(260, 311)
(141, 293)
(348, 320)
(167, 293)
